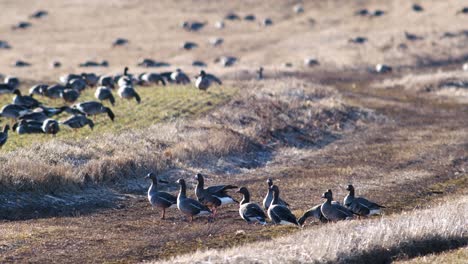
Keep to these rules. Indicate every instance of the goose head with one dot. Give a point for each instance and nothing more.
(327, 195)
(17, 92)
(243, 191)
(270, 182)
(126, 70)
(350, 188)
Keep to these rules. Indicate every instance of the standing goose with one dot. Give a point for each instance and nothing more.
(38, 89)
(50, 126)
(54, 91)
(125, 80)
(94, 108)
(107, 81)
(334, 211)
(280, 214)
(269, 196)
(360, 206)
(189, 206)
(152, 78)
(203, 81)
(4, 135)
(24, 100)
(78, 121)
(157, 198)
(180, 77)
(104, 93)
(250, 212)
(313, 212)
(128, 92)
(213, 196)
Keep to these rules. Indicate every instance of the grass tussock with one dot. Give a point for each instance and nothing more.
(380, 240)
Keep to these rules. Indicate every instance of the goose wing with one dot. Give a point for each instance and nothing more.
(283, 214)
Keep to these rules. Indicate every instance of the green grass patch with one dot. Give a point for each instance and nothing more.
(158, 104)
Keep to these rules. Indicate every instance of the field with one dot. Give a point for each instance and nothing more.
(400, 138)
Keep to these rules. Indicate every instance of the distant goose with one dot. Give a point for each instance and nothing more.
(213, 196)
(56, 64)
(362, 12)
(267, 22)
(179, 77)
(231, 16)
(204, 80)
(54, 91)
(4, 45)
(125, 79)
(4, 135)
(417, 8)
(38, 89)
(298, 9)
(192, 25)
(216, 41)
(358, 40)
(94, 108)
(219, 24)
(360, 206)
(189, 45)
(128, 92)
(39, 14)
(188, 206)
(106, 80)
(412, 37)
(382, 68)
(50, 126)
(313, 212)
(67, 78)
(13, 111)
(378, 13)
(269, 196)
(28, 127)
(280, 214)
(21, 63)
(13, 82)
(250, 212)
(119, 42)
(104, 93)
(463, 11)
(22, 25)
(70, 95)
(226, 61)
(78, 121)
(25, 100)
(334, 211)
(157, 198)
(260, 73)
(148, 63)
(249, 17)
(310, 62)
(152, 78)
(91, 63)
(91, 79)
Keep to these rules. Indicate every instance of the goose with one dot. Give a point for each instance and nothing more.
(192, 25)
(4, 135)
(91, 63)
(6, 89)
(91, 79)
(250, 212)
(77, 84)
(106, 80)
(280, 214)
(51, 111)
(67, 78)
(94, 108)
(198, 63)
(157, 198)
(310, 62)
(362, 12)
(179, 77)
(298, 9)
(70, 95)
(21, 25)
(78, 121)
(378, 13)
(38, 89)
(34, 116)
(54, 91)
(21, 63)
(128, 92)
(359, 205)
(269, 196)
(119, 42)
(104, 93)
(50, 126)
(249, 17)
(39, 14)
(13, 111)
(231, 16)
(188, 206)
(56, 64)
(4, 45)
(152, 78)
(13, 82)
(417, 8)
(260, 73)
(216, 41)
(412, 37)
(313, 212)
(464, 10)
(25, 100)
(226, 61)
(28, 127)
(358, 40)
(334, 211)
(219, 24)
(213, 196)
(189, 45)
(147, 63)
(267, 22)
(382, 68)
(167, 76)
(204, 80)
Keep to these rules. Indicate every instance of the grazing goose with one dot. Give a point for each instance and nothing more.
(28, 127)
(38, 89)
(179, 77)
(13, 82)
(213, 196)
(91, 79)
(417, 8)
(104, 93)
(94, 108)
(250, 212)
(382, 68)
(250, 17)
(35, 116)
(334, 211)
(216, 41)
(128, 92)
(25, 100)
(106, 80)
(70, 95)
(269, 196)
(78, 121)
(4, 135)
(189, 45)
(152, 78)
(188, 206)
(193, 25)
(358, 40)
(39, 14)
(21, 63)
(204, 80)
(412, 37)
(313, 212)
(6, 89)
(77, 84)
(54, 91)
(21, 25)
(67, 78)
(50, 126)
(360, 206)
(157, 198)
(280, 214)
(13, 111)
(119, 42)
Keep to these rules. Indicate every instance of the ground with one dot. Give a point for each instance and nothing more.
(400, 138)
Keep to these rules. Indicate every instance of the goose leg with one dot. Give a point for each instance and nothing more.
(163, 213)
(191, 219)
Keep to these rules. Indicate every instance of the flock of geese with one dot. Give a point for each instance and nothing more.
(31, 116)
(210, 198)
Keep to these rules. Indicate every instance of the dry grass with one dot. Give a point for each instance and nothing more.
(367, 241)
(457, 256)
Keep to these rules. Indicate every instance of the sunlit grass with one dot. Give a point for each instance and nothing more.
(158, 104)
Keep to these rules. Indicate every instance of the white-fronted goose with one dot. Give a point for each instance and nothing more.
(188, 206)
(4, 135)
(179, 77)
(25, 100)
(38, 89)
(104, 93)
(78, 121)
(213, 196)
(70, 95)
(334, 211)
(204, 80)
(94, 108)
(315, 212)
(13, 82)
(50, 126)
(128, 92)
(280, 214)
(250, 212)
(360, 206)
(13, 111)
(157, 198)
(269, 196)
